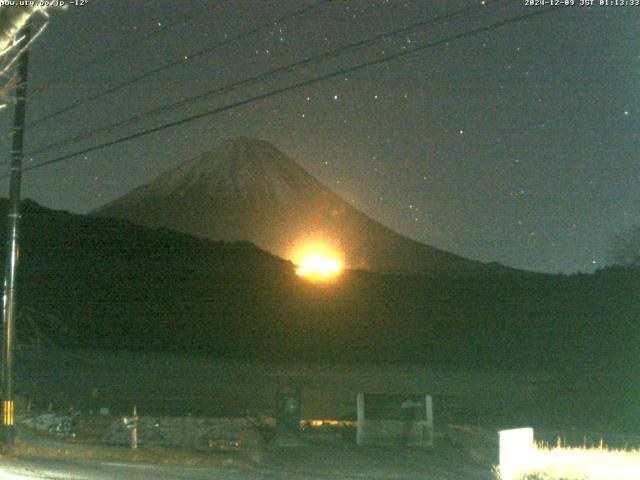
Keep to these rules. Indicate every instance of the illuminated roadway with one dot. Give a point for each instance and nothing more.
(288, 464)
(48, 469)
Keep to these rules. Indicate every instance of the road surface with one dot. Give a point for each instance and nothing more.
(286, 464)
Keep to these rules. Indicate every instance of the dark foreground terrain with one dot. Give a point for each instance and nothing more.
(217, 326)
(470, 406)
(180, 385)
(97, 283)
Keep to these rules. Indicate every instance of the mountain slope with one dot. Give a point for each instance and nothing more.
(248, 190)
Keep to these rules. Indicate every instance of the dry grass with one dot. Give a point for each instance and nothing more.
(564, 463)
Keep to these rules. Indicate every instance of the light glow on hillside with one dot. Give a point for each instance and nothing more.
(317, 261)
(318, 266)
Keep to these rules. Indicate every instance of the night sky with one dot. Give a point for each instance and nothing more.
(517, 145)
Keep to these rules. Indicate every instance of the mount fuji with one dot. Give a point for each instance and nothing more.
(248, 190)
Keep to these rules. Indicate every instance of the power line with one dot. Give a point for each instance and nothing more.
(108, 54)
(295, 86)
(180, 61)
(256, 78)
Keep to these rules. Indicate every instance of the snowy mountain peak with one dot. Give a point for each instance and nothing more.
(241, 166)
(247, 189)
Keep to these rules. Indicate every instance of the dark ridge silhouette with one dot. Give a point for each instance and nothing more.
(96, 282)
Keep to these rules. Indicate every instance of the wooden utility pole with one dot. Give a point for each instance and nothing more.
(11, 265)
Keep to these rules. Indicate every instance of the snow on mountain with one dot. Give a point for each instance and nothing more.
(248, 190)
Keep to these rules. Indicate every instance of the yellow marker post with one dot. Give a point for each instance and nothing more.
(7, 413)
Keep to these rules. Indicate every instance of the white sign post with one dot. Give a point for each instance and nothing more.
(516, 452)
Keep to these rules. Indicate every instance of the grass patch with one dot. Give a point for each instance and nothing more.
(565, 463)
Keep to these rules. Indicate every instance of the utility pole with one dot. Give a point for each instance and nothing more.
(11, 266)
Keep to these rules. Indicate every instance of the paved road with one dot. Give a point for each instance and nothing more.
(84, 470)
(286, 464)
(47, 469)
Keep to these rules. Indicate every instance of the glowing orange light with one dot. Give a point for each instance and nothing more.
(318, 266)
(317, 256)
